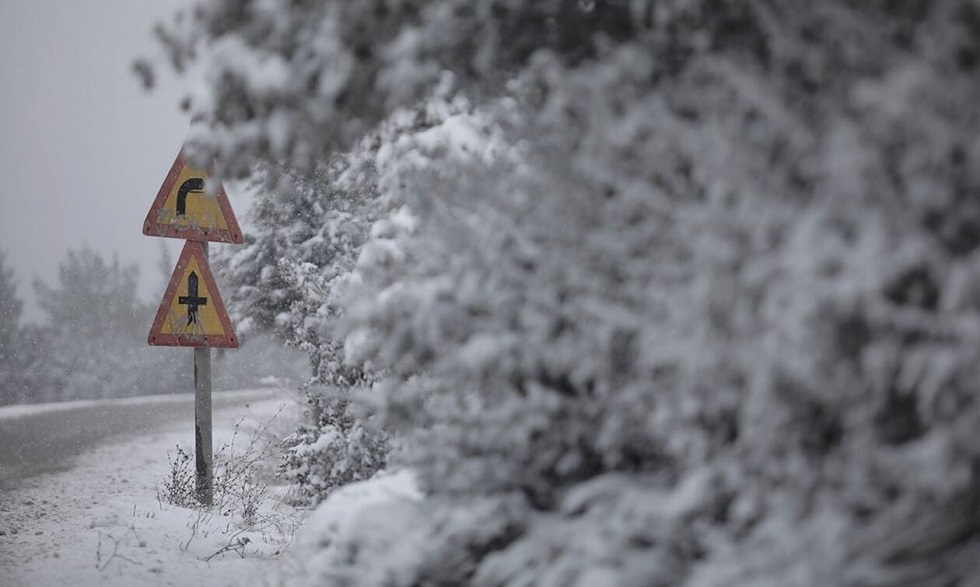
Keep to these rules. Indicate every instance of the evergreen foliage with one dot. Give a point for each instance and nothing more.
(307, 232)
(95, 333)
(10, 309)
(11, 337)
(675, 292)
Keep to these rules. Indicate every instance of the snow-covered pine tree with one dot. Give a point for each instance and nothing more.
(258, 295)
(94, 333)
(306, 230)
(680, 292)
(10, 330)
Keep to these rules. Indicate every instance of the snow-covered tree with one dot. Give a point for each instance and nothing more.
(91, 317)
(306, 231)
(675, 292)
(10, 308)
(10, 339)
(94, 338)
(92, 296)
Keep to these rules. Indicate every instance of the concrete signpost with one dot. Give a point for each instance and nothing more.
(191, 312)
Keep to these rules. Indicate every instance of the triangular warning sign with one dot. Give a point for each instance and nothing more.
(182, 208)
(192, 313)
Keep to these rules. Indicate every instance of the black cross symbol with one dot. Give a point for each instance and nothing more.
(191, 300)
(193, 185)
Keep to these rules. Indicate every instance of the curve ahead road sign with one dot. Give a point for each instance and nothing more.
(184, 209)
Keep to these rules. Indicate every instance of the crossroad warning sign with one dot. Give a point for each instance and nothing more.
(184, 209)
(192, 313)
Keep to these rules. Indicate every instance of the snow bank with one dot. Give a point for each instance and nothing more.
(101, 523)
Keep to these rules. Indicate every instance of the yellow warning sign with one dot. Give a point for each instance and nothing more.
(192, 313)
(183, 207)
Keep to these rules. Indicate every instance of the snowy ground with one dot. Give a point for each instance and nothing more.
(101, 522)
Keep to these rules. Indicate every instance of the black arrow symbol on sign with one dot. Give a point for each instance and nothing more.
(191, 300)
(193, 185)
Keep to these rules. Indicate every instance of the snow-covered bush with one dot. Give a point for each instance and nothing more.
(239, 479)
(334, 448)
(307, 232)
(682, 292)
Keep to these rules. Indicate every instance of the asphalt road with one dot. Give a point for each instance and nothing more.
(31, 444)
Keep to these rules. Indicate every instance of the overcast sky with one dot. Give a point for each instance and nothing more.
(83, 148)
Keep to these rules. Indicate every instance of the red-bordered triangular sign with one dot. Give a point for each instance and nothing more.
(192, 313)
(182, 209)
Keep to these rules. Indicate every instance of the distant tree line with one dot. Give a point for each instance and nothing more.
(92, 341)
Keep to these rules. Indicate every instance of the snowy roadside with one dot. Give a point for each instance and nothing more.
(101, 522)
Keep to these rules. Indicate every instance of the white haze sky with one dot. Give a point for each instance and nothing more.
(83, 148)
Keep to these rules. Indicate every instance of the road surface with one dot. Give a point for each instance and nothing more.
(40, 439)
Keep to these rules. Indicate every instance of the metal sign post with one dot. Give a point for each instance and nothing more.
(202, 424)
(202, 419)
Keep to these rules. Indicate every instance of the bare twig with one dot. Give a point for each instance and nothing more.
(235, 544)
(101, 566)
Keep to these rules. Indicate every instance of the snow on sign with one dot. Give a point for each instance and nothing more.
(192, 313)
(184, 209)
